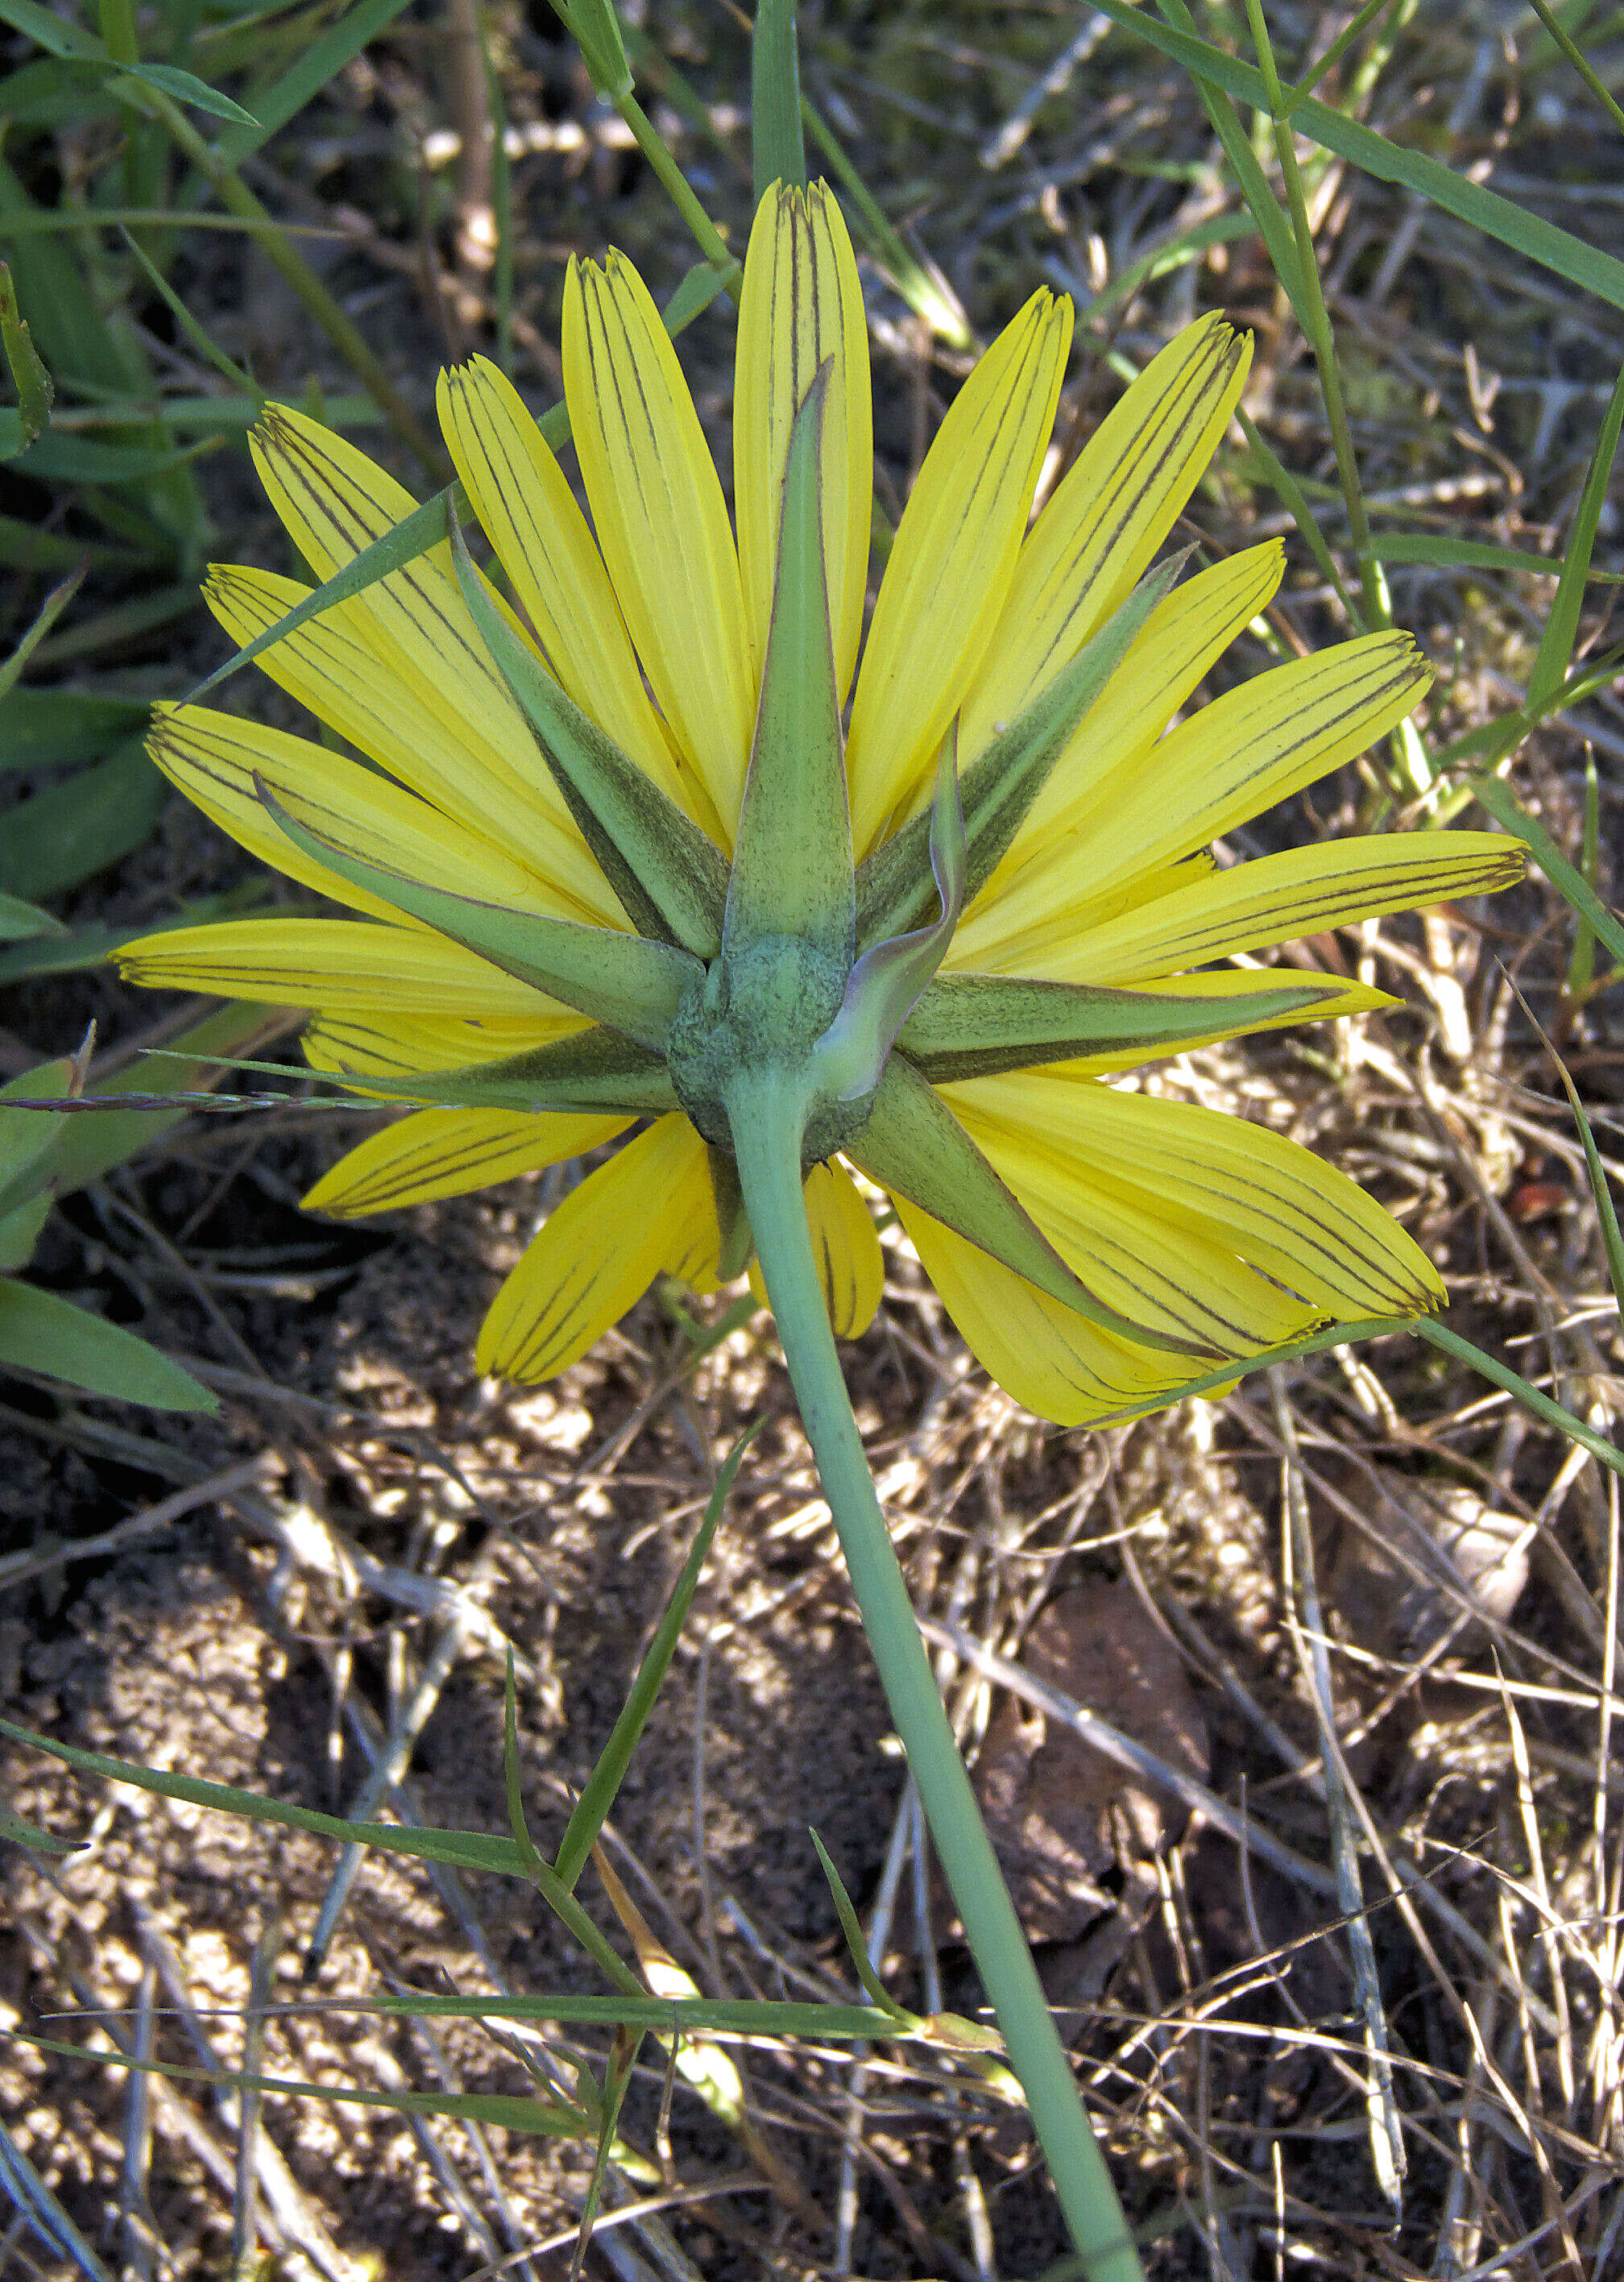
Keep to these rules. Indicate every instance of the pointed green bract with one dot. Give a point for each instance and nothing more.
(977, 1025)
(731, 1218)
(792, 863)
(890, 976)
(913, 1144)
(777, 147)
(592, 1072)
(623, 980)
(894, 887)
(670, 879)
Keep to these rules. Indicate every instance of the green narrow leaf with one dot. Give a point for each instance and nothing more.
(1483, 210)
(594, 25)
(792, 863)
(314, 67)
(463, 1850)
(669, 878)
(604, 1783)
(777, 152)
(1581, 960)
(914, 1143)
(40, 1332)
(29, 1833)
(977, 1025)
(21, 922)
(1506, 809)
(1501, 1375)
(50, 610)
(29, 378)
(1278, 475)
(851, 1926)
(1556, 650)
(184, 87)
(93, 1145)
(896, 887)
(60, 836)
(626, 981)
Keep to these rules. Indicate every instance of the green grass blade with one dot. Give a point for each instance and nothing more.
(463, 1850)
(1556, 650)
(50, 610)
(1507, 809)
(778, 153)
(275, 104)
(33, 382)
(605, 1781)
(1483, 210)
(851, 1926)
(42, 1332)
(1502, 1375)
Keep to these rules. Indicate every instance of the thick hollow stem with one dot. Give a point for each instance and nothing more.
(765, 1112)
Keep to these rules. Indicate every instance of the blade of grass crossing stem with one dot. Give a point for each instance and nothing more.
(1289, 492)
(605, 1781)
(1506, 809)
(851, 1926)
(778, 154)
(1555, 648)
(1502, 1375)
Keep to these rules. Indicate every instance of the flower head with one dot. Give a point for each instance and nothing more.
(601, 850)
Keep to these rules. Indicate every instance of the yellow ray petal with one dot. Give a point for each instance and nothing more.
(400, 1045)
(598, 1253)
(347, 964)
(540, 536)
(1160, 1266)
(214, 757)
(1270, 1201)
(950, 569)
(1108, 515)
(333, 501)
(1178, 643)
(660, 520)
(332, 665)
(446, 1153)
(1258, 743)
(1044, 1355)
(1302, 891)
(802, 305)
(851, 1267)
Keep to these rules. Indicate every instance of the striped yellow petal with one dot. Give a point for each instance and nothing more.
(332, 665)
(851, 1267)
(660, 520)
(343, 964)
(598, 1253)
(801, 305)
(446, 1153)
(951, 567)
(1302, 891)
(1097, 535)
(1181, 640)
(1166, 1268)
(1258, 743)
(1041, 1352)
(400, 1045)
(214, 759)
(542, 541)
(333, 501)
(1269, 1201)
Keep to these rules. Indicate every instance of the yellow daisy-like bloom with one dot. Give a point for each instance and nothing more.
(1213, 1237)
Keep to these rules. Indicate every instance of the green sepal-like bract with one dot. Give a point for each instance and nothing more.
(670, 879)
(792, 863)
(978, 1025)
(733, 1222)
(890, 976)
(894, 887)
(591, 1071)
(626, 981)
(913, 1144)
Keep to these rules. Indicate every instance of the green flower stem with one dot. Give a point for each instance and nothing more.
(675, 184)
(765, 1110)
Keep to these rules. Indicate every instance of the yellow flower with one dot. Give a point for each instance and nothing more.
(1199, 1240)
